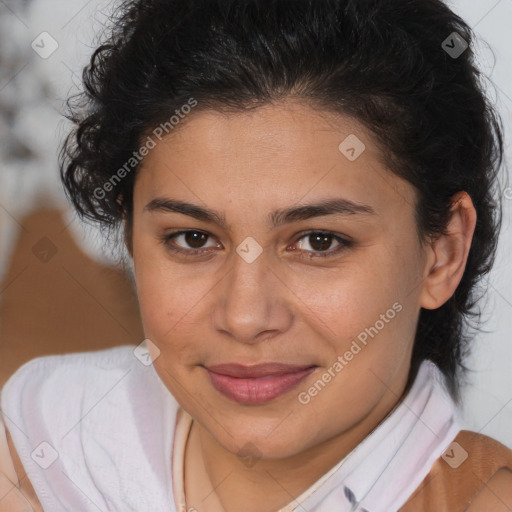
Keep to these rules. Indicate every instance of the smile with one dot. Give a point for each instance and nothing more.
(256, 385)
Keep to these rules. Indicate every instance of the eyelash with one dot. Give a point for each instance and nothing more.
(344, 244)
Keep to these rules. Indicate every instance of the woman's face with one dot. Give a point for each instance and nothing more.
(261, 292)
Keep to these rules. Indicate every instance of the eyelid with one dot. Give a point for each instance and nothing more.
(170, 236)
(343, 241)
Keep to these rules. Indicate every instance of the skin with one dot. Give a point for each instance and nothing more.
(494, 496)
(284, 306)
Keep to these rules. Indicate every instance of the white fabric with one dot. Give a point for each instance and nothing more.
(6, 463)
(112, 422)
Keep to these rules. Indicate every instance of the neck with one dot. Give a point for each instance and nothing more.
(267, 485)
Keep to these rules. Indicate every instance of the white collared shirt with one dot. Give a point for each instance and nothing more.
(382, 472)
(96, 431)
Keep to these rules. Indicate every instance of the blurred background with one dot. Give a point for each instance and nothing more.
(60, 289)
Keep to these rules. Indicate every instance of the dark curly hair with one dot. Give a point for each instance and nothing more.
(389, 64)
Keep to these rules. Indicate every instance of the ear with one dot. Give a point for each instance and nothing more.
(127, 237)
(449, 254)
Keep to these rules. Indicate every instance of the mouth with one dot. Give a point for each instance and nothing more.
(256, 384)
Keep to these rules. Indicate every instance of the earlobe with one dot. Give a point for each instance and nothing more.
(450, 253)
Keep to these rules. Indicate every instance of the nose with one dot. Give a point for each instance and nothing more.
(251, 303)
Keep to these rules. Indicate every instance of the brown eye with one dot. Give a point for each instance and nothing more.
(320, 243)
(190, 242)
(195, 239)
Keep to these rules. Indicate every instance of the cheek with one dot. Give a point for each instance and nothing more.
(345, 299)
(362, 309)
(164, 306)
(161, 295)
(173, 303)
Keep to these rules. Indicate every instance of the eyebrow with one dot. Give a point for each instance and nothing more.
(337, 206)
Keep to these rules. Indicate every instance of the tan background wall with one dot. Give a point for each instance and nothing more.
(55, 299)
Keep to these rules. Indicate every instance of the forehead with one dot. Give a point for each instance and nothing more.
(285, 151)
(288, 126)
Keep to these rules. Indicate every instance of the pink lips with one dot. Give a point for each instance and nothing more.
(256, 384)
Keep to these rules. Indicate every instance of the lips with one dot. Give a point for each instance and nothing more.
(257, 384)
(256, 371)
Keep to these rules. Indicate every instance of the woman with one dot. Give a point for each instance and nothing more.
(298, 186)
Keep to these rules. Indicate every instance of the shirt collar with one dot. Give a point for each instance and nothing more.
(383, 471)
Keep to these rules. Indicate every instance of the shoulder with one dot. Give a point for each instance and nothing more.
(485, 455)
(50, 373)
(54, 388)
(495, 494)
(22, 497)
(105, 358)
(106, 411)
(474, 471)
(16, 491)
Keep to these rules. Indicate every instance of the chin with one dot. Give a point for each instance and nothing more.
(258, 439)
